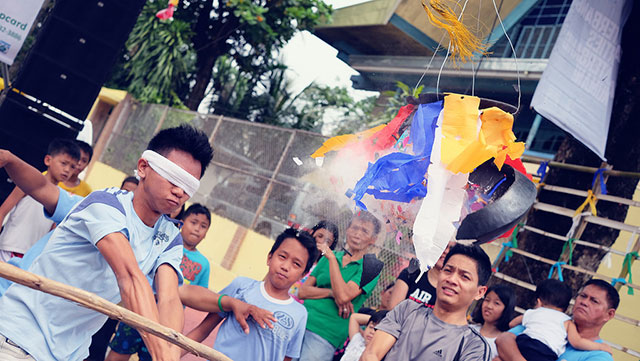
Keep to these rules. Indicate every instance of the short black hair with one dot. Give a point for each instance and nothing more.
(197, 208)
(507, 297)
(613, 298)
(329, 226)
(376, 317)
(85, 147)
(305, 239)
(366, 216)
(483, 264)
(64, 146)
(187, 139)
(554, 293)
(130, 179)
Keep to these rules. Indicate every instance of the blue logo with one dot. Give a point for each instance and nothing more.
(284, 319)
(4, 46)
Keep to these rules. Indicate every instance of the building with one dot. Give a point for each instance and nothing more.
(392, 40)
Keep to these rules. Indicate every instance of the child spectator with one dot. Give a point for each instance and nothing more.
(548, 328)
(323, 232)
(26, 223)
(129, 184)
(290, 258)
(493, 314)
(195, 270)
(74, 184)
(361, 338)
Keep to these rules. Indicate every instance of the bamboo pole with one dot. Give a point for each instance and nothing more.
(97, 303)
(579, 168)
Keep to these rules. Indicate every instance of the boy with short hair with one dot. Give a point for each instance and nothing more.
(26, 223)
(74, 184)
(291, 256)
(195, 270)
(548, 328)
(359, 338)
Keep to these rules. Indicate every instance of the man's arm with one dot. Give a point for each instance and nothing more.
(507, 347)
(169, 305)
(135, 290)
(30, 181)
(381, 343)
(308, 290)
(202, 299)
(399, 293)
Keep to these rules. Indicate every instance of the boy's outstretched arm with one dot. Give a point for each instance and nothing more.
(203, 330)
(580, 343)
(508, 348)
(135, 290)
(30, 180)
(169, 306)
(203, 299)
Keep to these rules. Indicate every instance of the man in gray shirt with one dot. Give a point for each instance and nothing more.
(413, 332)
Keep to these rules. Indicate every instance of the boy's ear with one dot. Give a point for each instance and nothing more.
(47, 160)
(143, 167)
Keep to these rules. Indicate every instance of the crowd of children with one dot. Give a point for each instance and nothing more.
(128, 248)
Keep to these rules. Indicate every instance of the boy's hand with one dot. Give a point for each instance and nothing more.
(242, 311)
(606, 348)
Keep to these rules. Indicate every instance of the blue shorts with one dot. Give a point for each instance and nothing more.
(128, 341)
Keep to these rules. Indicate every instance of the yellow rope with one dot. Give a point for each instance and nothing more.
(463, 43)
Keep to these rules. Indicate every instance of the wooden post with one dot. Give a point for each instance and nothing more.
(97, 303)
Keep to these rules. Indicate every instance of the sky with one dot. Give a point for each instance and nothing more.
(312, 60)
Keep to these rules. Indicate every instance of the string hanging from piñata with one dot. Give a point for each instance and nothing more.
(463, 44)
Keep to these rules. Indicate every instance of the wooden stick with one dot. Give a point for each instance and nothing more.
(97, 303)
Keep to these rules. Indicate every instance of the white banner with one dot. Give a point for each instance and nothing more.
(577, 87)
(16, 18)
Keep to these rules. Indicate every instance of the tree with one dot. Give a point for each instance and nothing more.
(623, 153)
(249, 31)
(158, 59)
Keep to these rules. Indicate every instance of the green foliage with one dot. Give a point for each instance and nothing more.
(158, 61)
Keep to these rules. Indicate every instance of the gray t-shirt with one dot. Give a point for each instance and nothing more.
(421, 336)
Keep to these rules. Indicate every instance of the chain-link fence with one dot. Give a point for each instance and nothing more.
(254, 179)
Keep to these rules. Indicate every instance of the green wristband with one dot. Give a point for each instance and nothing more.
(220, 302)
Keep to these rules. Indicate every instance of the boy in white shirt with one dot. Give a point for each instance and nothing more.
(548, 328)
(359, 338)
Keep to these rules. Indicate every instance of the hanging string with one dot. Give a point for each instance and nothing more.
(591, 201)
(473, 68)
(568, 243)
(599, 175)
(515, 56)
(628, 260)
(557, 266)
(448, 51)
(435, 51)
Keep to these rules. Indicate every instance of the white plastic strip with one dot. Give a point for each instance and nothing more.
(172, 172)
